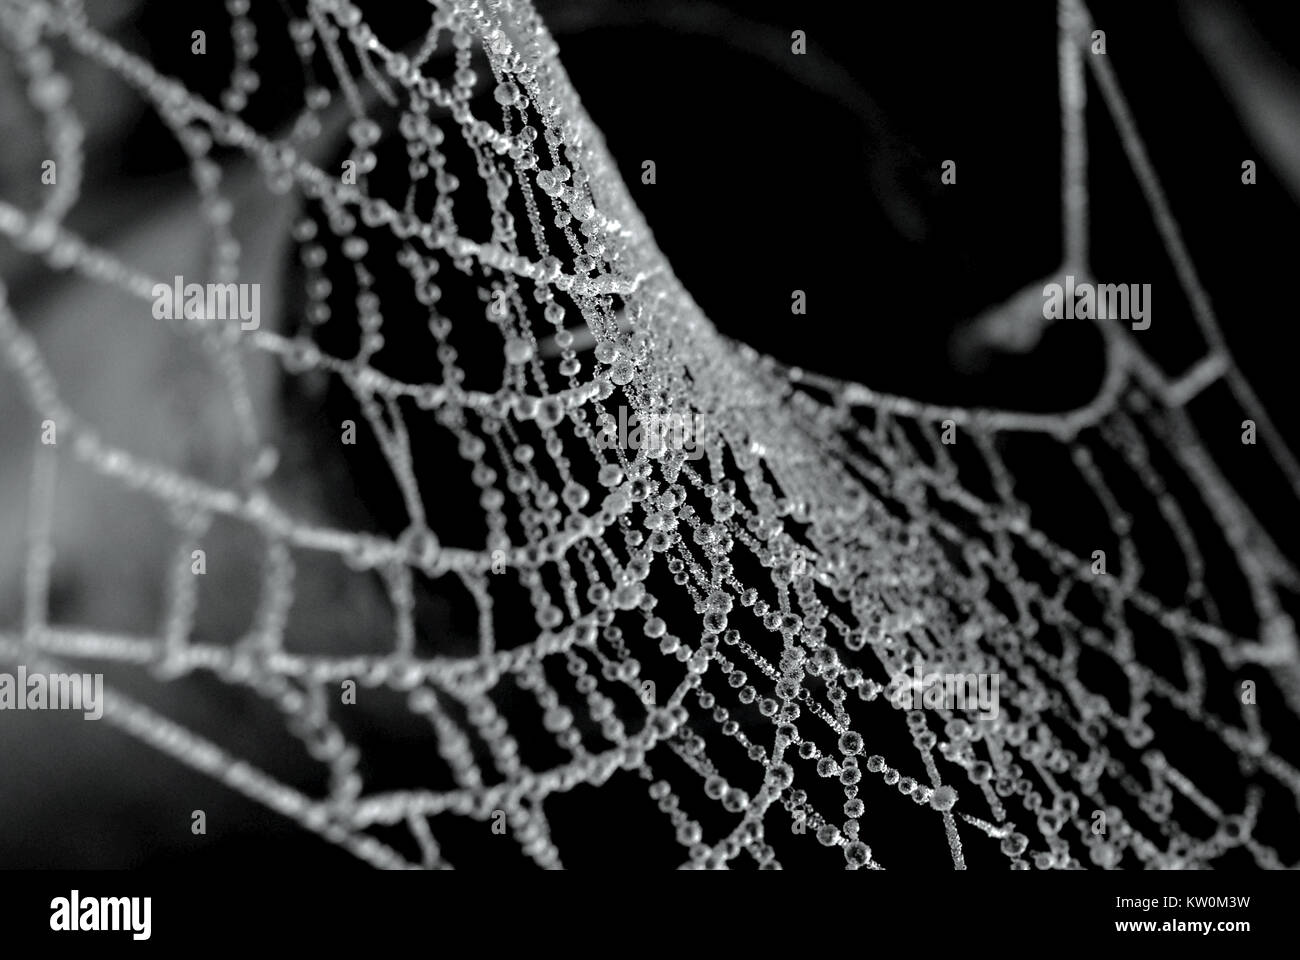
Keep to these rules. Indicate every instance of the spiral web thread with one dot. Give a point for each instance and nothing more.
(827, 539)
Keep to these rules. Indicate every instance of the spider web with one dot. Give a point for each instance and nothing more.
(827, 541)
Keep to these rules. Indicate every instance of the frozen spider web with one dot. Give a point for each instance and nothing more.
(826, 543)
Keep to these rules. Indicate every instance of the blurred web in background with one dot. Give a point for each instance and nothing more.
(827, 540)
